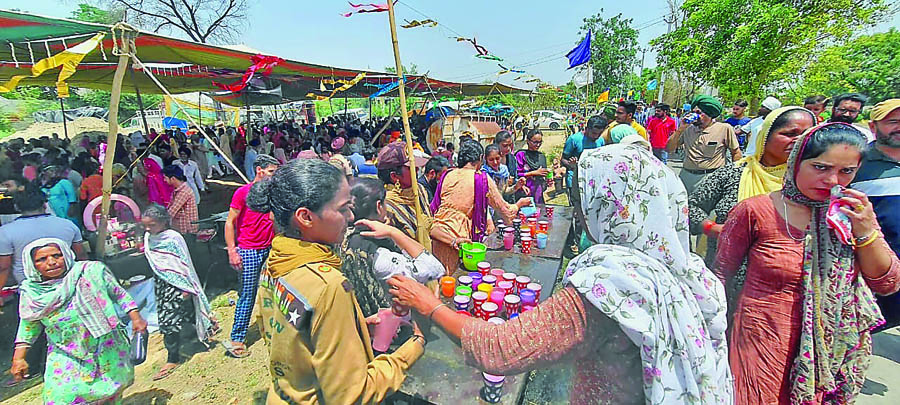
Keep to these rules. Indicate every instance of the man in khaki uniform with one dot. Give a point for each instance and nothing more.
(706, 142)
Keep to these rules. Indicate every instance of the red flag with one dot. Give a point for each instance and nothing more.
(261, 63)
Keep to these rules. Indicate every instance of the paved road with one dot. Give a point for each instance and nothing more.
(883, 381)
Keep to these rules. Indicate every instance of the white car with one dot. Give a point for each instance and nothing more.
(548, 119)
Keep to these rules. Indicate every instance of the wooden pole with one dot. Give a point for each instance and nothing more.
(422, 234)
(110, 150)
(62, 108)
(137, 91)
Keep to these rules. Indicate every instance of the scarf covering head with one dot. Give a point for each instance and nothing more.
(757, 179)
(170, 260)
(708, 104)
(289, 254)
(83, 284)
(643, 276)
(838, 311)
(500, 176)
(158, 191)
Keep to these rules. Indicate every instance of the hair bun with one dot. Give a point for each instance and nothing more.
(258, 198)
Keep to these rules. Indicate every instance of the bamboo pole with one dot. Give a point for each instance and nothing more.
(137, 91)
(111, 139)
(422, 234)
(62, 108)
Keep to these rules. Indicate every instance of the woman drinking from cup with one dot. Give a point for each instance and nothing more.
(642, 317)
(801, 331)
(320, 350)
(75, 303)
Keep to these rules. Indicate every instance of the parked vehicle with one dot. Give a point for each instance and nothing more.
(547, 119)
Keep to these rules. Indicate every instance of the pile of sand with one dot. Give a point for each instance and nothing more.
(78, 126)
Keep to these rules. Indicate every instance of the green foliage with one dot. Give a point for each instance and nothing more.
(869, 64)
(88, 13)
(613, 49)
(407, 70)
(742, 46)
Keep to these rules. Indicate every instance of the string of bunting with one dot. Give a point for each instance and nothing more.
(261, 63)
(366, 8)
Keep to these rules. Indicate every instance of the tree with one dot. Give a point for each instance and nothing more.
(89, 13)
(743, 46)
(613, 49)
(407, 70)
(203, 21)
(869, 64)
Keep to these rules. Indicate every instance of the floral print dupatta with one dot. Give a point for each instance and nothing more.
(642, 275)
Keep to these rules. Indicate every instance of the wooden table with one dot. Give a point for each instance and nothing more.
(440, 376)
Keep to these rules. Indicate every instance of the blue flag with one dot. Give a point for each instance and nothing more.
(652, 85)
(581, 54)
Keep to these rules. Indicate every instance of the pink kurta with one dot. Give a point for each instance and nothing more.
(766, 331)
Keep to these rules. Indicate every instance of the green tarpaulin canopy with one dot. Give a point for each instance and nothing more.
(184, 66)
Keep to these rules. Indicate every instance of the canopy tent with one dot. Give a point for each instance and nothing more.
(184, 66)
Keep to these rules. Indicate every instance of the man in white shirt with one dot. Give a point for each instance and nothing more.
(768, 105)
(192, 172)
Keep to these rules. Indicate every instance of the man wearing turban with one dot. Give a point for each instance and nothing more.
(706, 142)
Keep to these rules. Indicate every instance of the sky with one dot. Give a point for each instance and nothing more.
(530, 35)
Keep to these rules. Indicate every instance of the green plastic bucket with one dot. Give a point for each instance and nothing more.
(471, 254)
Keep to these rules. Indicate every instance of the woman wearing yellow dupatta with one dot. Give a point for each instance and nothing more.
(761, 173)
(320, 351)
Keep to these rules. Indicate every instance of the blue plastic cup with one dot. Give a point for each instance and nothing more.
(541, 240)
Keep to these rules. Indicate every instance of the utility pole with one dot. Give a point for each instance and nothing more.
(673, 7)
(643, 52)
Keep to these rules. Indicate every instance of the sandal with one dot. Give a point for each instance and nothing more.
(165, 372)
(236, 349)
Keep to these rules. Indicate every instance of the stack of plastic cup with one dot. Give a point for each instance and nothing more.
(537, 290)
(497, 298)
(484, 268)
(532, 226)
(447, 286)
(522, 283)
(517, 223)
(465, 280)
(526, 244)
(512, 302)
(525, 230)
(507, 286)
(464, 290)
(489, 310)
(476, 279)
(489, 279)
(462, 302)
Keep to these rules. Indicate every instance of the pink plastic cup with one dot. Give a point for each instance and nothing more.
(386, 329)
(506, 286)
(497, 273)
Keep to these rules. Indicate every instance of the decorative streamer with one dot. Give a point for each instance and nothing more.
(68, 59)
(261, 63)
(416, 23)
(510, 70)
(367, 8)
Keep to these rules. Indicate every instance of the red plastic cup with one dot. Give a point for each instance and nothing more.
(543, 226)
(526, 244)
(509, 276)
(537, 290)
(522, 282)
(549, 210)
(478, 298)
(512, 304)
(489, 310)
(506, 286)
(484, 268)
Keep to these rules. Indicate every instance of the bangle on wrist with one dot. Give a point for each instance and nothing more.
(866, 240)
(420, 338)
(707, 226)
(433, 310)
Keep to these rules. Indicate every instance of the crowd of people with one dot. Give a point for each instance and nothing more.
(329, 231)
